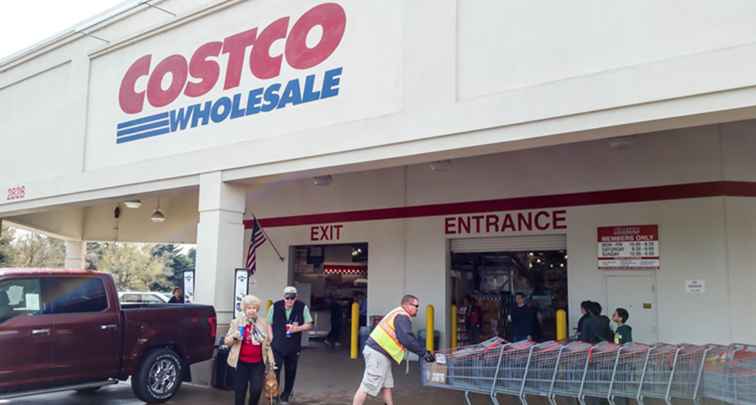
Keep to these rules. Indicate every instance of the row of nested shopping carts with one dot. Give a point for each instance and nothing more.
(606, 371)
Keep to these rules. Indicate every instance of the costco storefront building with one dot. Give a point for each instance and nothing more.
(444, 149)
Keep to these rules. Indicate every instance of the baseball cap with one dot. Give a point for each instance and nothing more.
(290, 290)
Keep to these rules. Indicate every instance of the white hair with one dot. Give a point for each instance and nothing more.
(250, 300)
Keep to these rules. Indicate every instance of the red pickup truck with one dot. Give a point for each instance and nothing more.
(65, 330)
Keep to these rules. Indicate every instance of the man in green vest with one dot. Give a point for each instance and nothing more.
(390, 340)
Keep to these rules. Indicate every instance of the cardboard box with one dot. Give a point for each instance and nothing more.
(438, 373)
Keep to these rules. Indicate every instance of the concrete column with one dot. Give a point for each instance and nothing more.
(220, 244)
(75, 254)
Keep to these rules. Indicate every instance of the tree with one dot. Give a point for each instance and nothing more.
(95, 251)
(133, 266)
(37, 250)
(7, 252)
(176, 262)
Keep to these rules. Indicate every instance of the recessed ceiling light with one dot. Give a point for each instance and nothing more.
(133, 203)
(440, 165)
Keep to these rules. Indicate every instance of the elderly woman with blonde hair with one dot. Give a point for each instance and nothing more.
(250, 352)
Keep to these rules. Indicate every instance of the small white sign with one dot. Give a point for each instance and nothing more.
(241, 289)
(695, 286)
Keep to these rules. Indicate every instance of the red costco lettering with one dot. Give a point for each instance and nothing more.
(202, 72)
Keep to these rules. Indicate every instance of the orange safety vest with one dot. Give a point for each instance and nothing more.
(385, 335)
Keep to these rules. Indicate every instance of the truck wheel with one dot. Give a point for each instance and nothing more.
(159, 376)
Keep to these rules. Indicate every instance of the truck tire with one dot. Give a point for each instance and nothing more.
(159, 376)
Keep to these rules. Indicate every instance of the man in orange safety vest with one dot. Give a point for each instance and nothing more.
(390, 340)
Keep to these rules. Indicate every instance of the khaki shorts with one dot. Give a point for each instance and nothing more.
(377, 372)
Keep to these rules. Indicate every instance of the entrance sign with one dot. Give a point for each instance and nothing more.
(508, 222)
(631, 247)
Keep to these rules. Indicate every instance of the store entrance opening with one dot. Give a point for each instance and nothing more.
(329, 278)
(486, 279)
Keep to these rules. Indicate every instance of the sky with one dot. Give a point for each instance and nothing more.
(25, 23)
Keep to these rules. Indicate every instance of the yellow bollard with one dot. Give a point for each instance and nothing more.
(355, 331)
(267, 306)
(561, 325)
(454, 327)
(429, 330)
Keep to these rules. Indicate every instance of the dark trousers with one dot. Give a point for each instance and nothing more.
(250, 375)
(289, 362)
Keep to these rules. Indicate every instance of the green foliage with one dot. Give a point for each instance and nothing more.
(133, 266)
(37, 250)
(7, 253)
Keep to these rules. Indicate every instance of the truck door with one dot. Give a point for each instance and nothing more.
(86, 328)
(25, 336)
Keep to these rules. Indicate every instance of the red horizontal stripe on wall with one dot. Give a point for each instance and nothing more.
(630, 195)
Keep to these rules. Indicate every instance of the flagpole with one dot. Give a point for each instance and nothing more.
(254, 218)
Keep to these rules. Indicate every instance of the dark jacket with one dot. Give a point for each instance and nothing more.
(523, 322)
(403, 326)
(175, 300)
(580, 325)
(596, 329)
(623, 335)
(281, 343)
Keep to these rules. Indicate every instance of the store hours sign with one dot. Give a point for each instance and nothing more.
(629, 247)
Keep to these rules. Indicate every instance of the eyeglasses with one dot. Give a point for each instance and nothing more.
(290, 297)
(415, 305)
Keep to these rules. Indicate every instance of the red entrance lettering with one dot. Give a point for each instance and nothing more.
(492, 221)
(540, 225)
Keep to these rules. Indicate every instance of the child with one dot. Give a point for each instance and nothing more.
(624, 333)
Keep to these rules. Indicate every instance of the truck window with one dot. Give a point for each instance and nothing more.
(131, 298)
(75, 295)
(151, 299)
(19, 297)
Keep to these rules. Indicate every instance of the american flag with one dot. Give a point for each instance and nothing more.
(256, 240)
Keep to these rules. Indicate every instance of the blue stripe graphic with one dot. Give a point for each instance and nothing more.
(143, 135)
(132, 130)
(143, 120)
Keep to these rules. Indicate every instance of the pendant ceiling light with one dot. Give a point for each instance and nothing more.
(157, 215)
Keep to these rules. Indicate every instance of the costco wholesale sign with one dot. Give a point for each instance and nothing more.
(196, 76)
(634, 247)
(246, 72)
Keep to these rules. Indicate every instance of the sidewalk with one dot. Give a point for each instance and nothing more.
(324, 378)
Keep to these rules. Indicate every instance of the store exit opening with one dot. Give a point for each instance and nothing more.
(329, 278)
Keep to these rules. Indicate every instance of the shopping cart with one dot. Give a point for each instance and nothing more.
(628, 371)
(600, 372)
(470, 369)
(540, 372)
(730, 374)
(515, 361)
(569, 373)
(606, 371)
(673, 371)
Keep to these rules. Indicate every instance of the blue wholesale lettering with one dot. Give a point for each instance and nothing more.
(275, 96)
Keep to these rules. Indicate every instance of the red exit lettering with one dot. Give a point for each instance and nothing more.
(325, 232)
